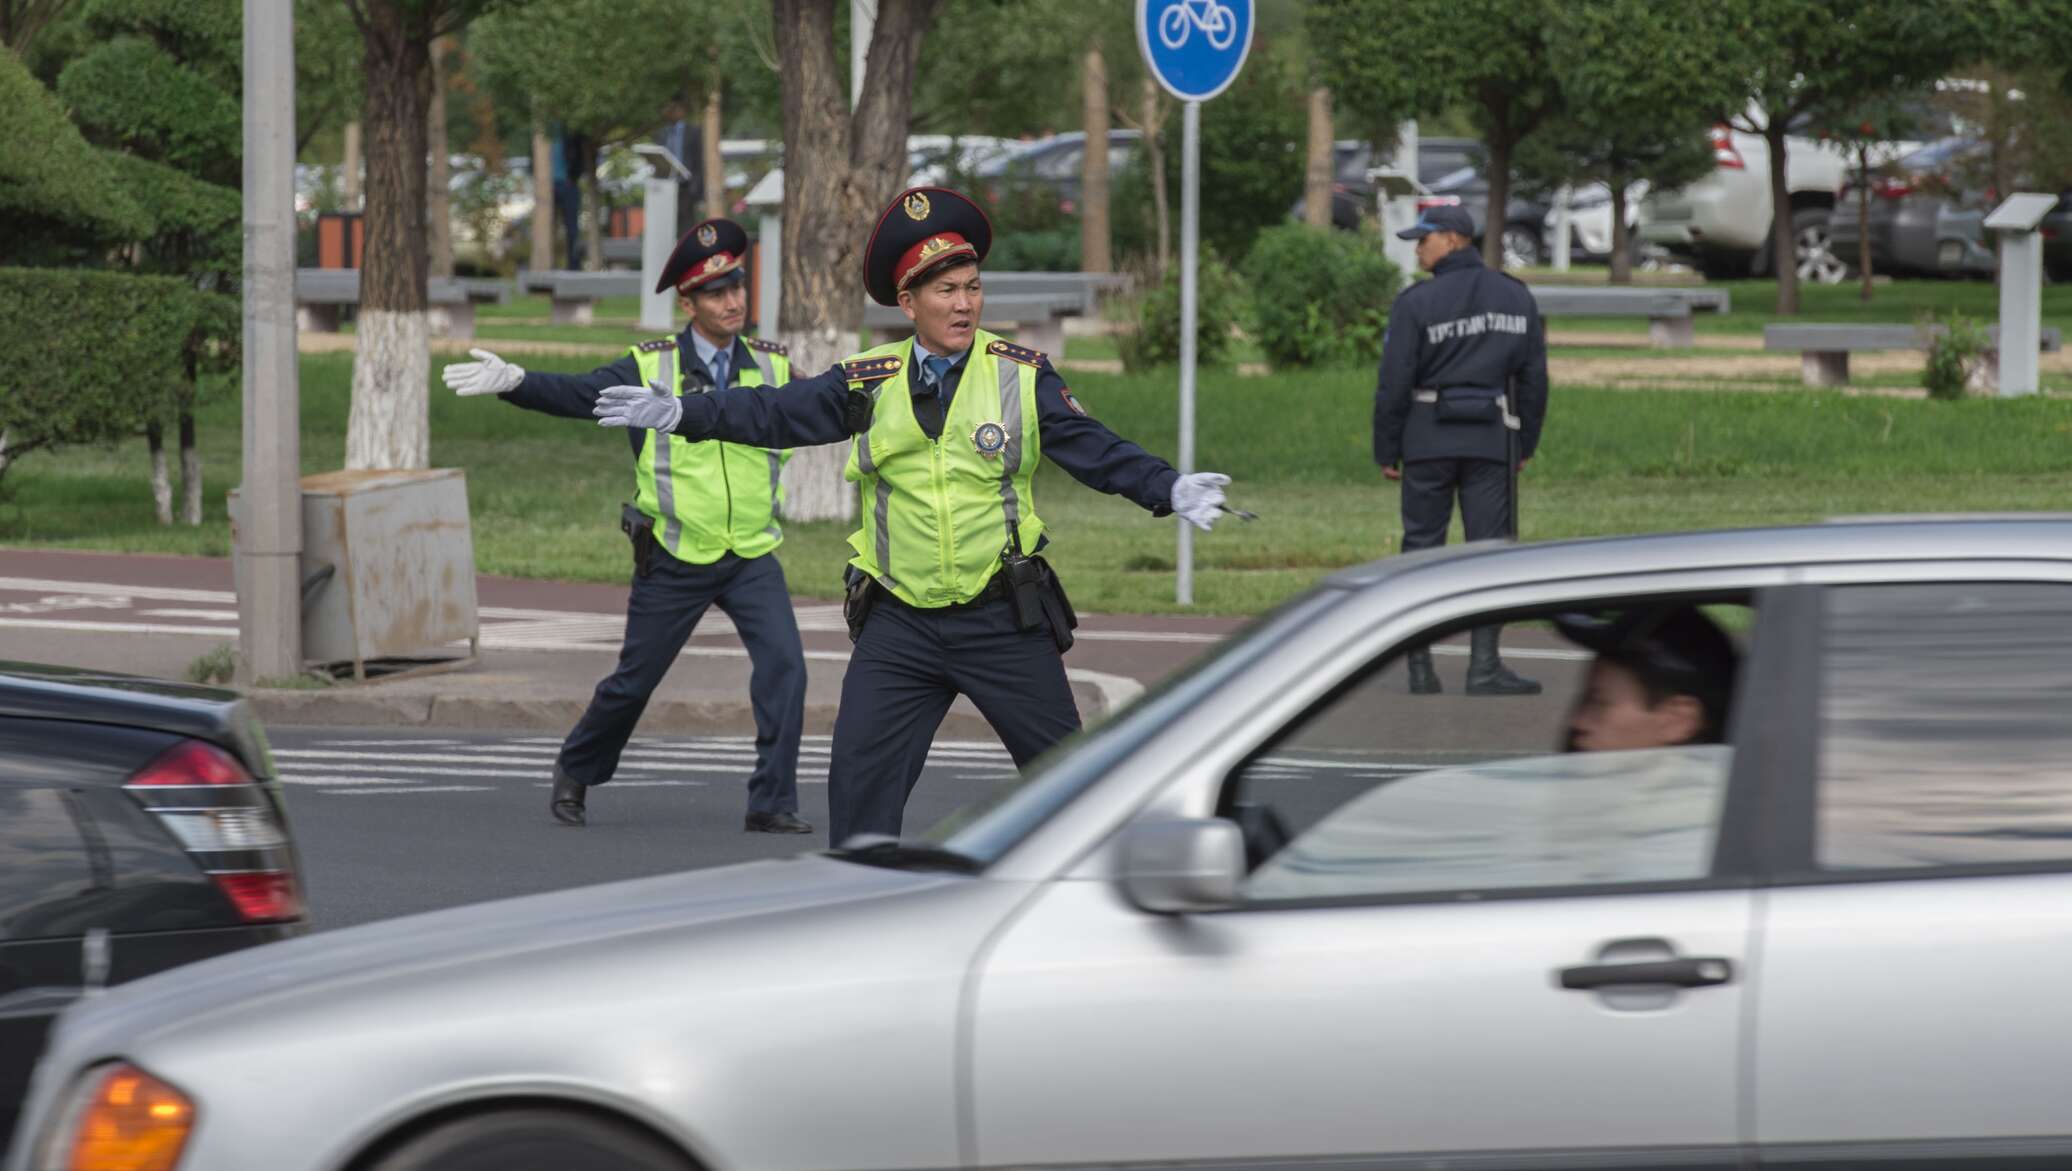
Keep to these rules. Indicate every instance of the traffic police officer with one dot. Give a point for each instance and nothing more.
(946, 595)
(704, 528)
(1462, 394)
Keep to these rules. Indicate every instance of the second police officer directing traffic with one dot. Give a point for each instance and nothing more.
(1457, 412)
(947, 595)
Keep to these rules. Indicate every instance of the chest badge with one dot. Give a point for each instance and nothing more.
(990, 439)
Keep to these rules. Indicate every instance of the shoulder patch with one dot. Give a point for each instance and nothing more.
(657, 346)
(1073, 403)
(1015, 353)
(870, 369)
(756, 343)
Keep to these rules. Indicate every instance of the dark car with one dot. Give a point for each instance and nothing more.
(1926, 214)
(1057, 162)
(2056, 230)
(141, 827)
(1452, 170)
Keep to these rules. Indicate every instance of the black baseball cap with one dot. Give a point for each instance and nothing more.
(1444, 218)
(1675, 648)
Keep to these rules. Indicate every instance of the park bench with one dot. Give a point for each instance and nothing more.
(1824, 349)
(321, 295)
(575, 294)
(620, 250)
(1668, 309)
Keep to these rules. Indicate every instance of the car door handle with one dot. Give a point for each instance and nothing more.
(1682, 973)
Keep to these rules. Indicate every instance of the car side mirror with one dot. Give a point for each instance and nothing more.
(1173, 867)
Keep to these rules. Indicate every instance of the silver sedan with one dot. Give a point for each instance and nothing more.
(1281, 913)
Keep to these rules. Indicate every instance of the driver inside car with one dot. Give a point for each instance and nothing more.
(1663, 676)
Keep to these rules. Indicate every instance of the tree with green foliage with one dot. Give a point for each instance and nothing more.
(389, 423)
(1641, 82)
(1387, 60)
(1806, 55)
(1251, 156)
(21, 20)
(53, 192)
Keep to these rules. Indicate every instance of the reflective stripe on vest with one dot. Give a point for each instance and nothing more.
(937, 514)
(709, 498)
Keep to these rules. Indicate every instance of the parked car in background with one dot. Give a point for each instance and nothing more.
(1352, 192)
(1927, 213)
(935, 159)
(1590, 223)
(1468, 186)
(141, 827)
(2056, 230)
(1055, 162)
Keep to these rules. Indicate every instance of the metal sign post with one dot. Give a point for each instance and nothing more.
(1195, 49)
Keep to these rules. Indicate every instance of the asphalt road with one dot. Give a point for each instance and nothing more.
(393, 824)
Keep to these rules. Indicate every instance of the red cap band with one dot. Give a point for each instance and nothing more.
(717, 264)
(927, 254)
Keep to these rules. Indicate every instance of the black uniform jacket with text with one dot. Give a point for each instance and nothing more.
(1467, 326)
(810, 411)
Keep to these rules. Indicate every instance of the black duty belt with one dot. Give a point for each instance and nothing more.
(998, 589)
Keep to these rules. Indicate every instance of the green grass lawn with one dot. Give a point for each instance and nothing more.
(544, 493)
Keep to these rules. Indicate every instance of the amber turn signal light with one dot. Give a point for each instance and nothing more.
(129, 1121)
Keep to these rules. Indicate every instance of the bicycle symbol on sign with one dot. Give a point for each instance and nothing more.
(1178, 22)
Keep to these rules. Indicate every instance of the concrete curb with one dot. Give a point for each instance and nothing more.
(364, 705)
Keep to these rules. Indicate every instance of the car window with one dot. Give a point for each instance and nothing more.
(45, 866)
(1382, 793)
(1945, 737)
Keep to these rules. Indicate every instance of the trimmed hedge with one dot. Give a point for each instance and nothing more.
(1319, 296)
(90, 357)
(128, 93)
(51, 181)
(195, 228)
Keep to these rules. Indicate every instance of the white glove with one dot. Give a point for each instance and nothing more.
(489, 375)
(1198, 497)
(652, 407)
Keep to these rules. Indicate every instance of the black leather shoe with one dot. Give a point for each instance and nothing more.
(775, 823)
(566, 803)
(1424, 679)
(1487, 674)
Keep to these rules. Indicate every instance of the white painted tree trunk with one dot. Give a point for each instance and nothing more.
(161, 483)
(813, 484)
(388, 426)
(190, 472)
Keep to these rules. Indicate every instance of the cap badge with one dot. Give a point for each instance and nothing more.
(708, 235)
(990, 439)
(717, 260)
(935, 246)
(916, 205)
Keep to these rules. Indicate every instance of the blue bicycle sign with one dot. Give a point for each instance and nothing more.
(1194, 47)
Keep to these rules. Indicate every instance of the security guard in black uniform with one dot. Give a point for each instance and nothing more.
(1462, 394)
(946, 593)
(703, 524)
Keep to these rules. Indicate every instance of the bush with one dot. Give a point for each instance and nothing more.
(1056, 250)
(1150, 333)
(1319, 296)
(90, 357)
(51, 182)
(1953, 354)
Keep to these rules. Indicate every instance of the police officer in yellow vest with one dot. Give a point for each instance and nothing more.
(703, 523)
(947, 595)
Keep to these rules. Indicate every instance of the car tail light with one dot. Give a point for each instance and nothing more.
(1723, 150)
(1892, 188)
(125, 1120)
(229, 823)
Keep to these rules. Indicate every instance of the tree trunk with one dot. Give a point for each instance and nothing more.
(1784, 253)
(840, 170)
(1154, 157)
(1863, 219)
(438, 195)
(161, 483)
(542, 199)
(190, 472)
(1321, 172)
(1096, 251)
(1500, 143)
(349, 169)
(713, 168)
(595, 213)
(388, 426)
(1622, 244)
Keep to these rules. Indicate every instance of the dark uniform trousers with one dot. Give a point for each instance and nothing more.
(908, 666)
(1429, 488)
(661, 612)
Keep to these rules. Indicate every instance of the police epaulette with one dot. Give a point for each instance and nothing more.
(756, 343)
(870, 369)
(657, 346)
(1015, 353)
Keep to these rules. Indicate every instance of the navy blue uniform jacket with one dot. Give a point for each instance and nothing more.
(572, 395)
(1466, 327)
(806, 412)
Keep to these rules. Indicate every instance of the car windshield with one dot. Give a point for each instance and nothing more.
(986, 829)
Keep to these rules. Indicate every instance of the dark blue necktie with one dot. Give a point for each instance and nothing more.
(937, 368)
(719, 370)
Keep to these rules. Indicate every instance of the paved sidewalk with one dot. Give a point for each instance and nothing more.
(544, 647)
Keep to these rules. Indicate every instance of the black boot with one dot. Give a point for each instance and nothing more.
(1423, 679)
(1487, 674)
(566, 804)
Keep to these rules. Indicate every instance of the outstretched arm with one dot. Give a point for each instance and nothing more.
(804, 412)
(1095, 456)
